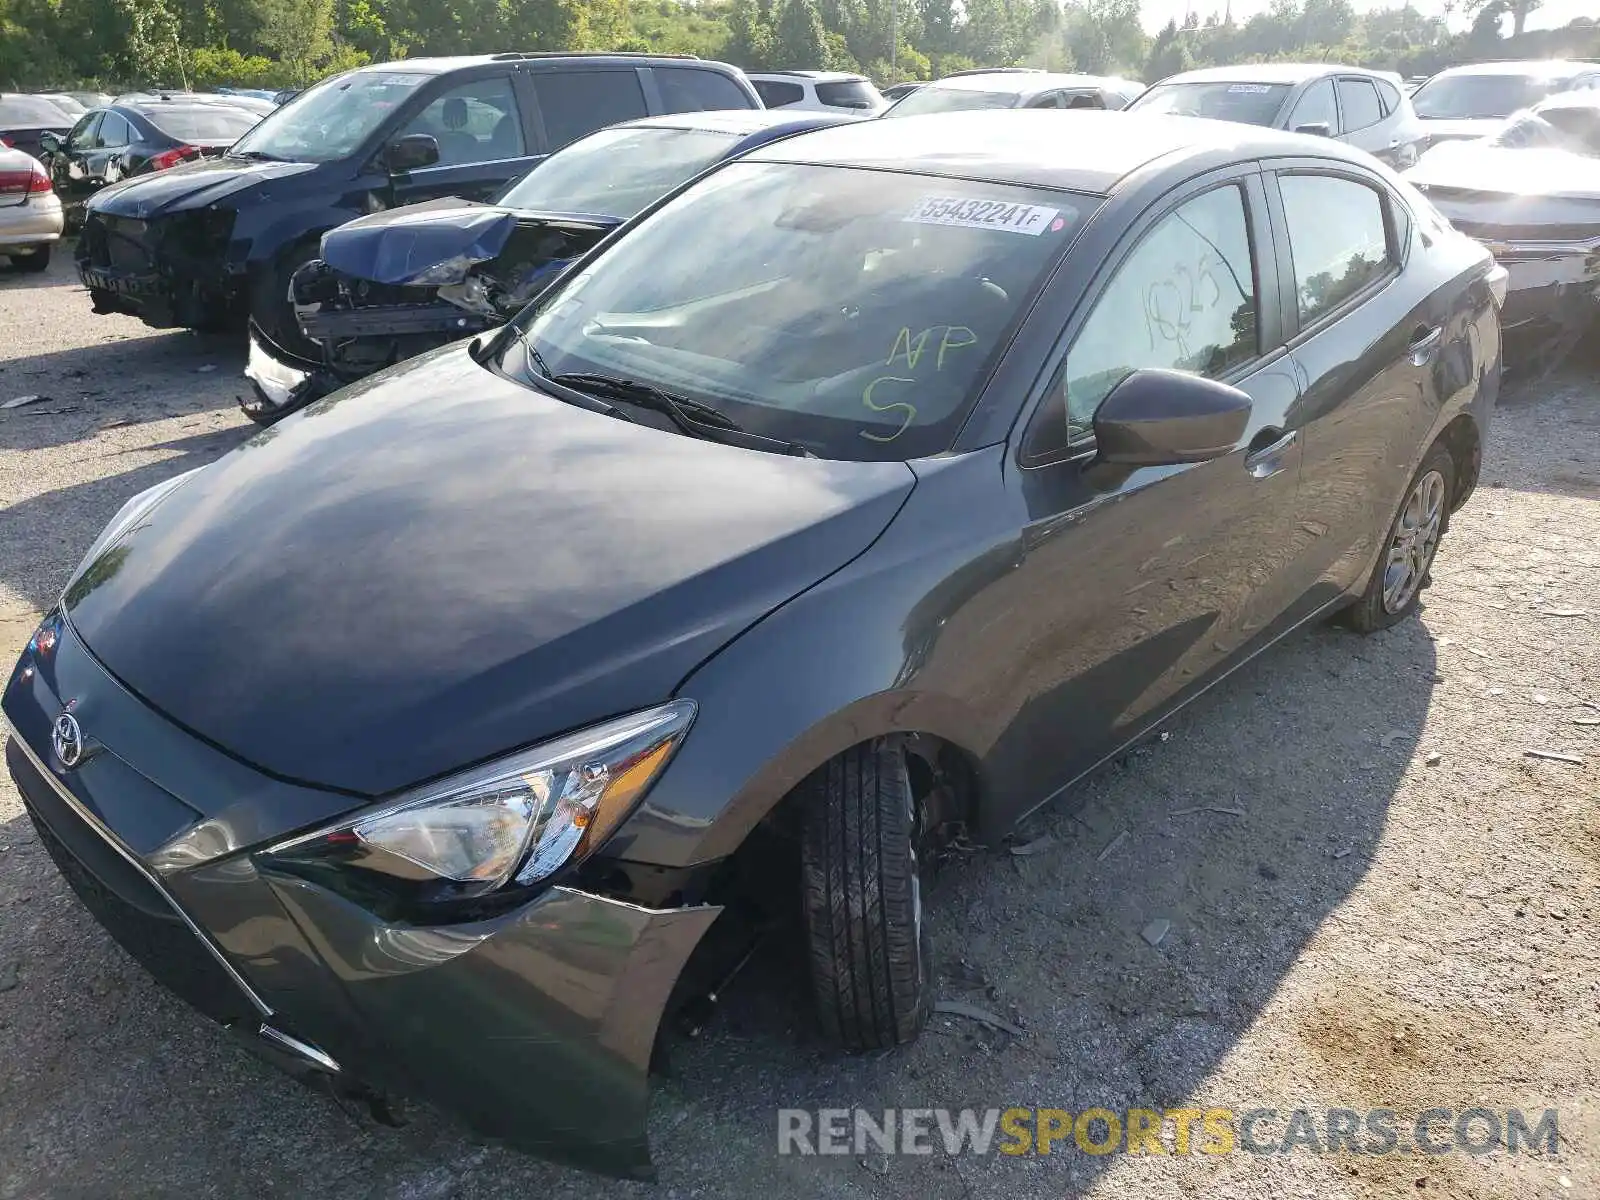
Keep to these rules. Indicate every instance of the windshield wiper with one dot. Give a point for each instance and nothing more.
(542, 374)
(254, 155)
(692, 417)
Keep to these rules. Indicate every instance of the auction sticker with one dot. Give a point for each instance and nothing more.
(1251, 89)
(1031, 219)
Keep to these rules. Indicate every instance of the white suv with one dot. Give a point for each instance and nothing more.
(826, 91)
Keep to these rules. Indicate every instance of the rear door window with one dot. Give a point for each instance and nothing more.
(1360, 103)
(574, 103)
(1316, 107)
(475, 121)
(695, 89)
(1338, 239)
(856, 94)
(775, 95)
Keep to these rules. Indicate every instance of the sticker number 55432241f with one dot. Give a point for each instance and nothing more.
(1031, 219)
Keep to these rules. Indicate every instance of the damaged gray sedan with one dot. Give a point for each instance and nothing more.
(1531, 194)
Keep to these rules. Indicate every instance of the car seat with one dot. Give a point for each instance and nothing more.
(456, 145)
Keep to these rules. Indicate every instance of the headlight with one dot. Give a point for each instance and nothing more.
(507, 825)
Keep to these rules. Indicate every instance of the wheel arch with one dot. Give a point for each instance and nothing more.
(930, 725)
(1462, 438)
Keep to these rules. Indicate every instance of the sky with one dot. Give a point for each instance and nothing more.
(1156, 13)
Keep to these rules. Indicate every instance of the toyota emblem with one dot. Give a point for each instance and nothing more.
(66, 739)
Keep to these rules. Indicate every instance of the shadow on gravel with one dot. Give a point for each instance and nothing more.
(43, 537)
(131, 378)
(60, 274)
(1246, 828)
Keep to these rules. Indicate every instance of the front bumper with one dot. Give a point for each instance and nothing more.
(280, 382)
(534, 1027)
(1554, 282)
(167, 275)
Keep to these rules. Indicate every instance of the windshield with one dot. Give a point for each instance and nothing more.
(934, 99)
(617, 172)
(1460, 97)
(333, 119)
(204, 124)
(1246, 103)
(20, 112)
(852, 311)
(850, 93)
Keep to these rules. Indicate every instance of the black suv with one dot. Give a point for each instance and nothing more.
(202, 245)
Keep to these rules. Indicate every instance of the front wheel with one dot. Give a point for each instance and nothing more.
(1395, 587)
(273, 311)
(862, 879)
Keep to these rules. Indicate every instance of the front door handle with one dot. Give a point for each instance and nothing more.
(1424, 343)
(1263, 462)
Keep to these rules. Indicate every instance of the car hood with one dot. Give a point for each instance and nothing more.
(1507, 170)
(193, 185)
(437, 565)
(441, 237)
(1454, 129)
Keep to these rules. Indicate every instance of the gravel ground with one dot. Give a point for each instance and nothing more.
(1399, 911)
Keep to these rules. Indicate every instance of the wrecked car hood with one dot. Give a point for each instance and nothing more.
(435, 241)
(193, 185)
(1461, 128)
(1508, 171)
(437, 565)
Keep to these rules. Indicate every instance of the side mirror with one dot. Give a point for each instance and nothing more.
(411, 153)
(1316, 129)
(50, 142)
(1157, 418)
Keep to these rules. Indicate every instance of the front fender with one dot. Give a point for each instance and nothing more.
(854, 657)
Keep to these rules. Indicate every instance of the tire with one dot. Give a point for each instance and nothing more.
(1390, 598)
(270, 307)
(33, 260)
(861, 875)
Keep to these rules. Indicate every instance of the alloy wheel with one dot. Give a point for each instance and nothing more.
(1413, 541)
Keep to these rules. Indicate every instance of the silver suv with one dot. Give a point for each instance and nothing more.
(1364, 108)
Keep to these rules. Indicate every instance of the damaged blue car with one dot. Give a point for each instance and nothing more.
(399, 282)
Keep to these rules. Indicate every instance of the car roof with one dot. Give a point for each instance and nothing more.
(1079, 150)
(1552, 66)
(813, 76)
(1021, 83)
(1276, 72)
(741, 121)
(438, 66)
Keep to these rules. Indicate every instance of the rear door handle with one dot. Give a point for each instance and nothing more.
(1263, 462)
(1424, 343)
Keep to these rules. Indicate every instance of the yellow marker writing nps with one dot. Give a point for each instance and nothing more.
(866, 398)
(951, 341)
(913, 347)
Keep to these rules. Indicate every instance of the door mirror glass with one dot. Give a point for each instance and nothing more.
(411, 153)
(1158, 418)
(1315, 129)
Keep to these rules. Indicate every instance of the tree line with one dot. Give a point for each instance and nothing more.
(119, 44)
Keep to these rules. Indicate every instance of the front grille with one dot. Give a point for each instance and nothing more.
(127, 904)
(116, 244)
